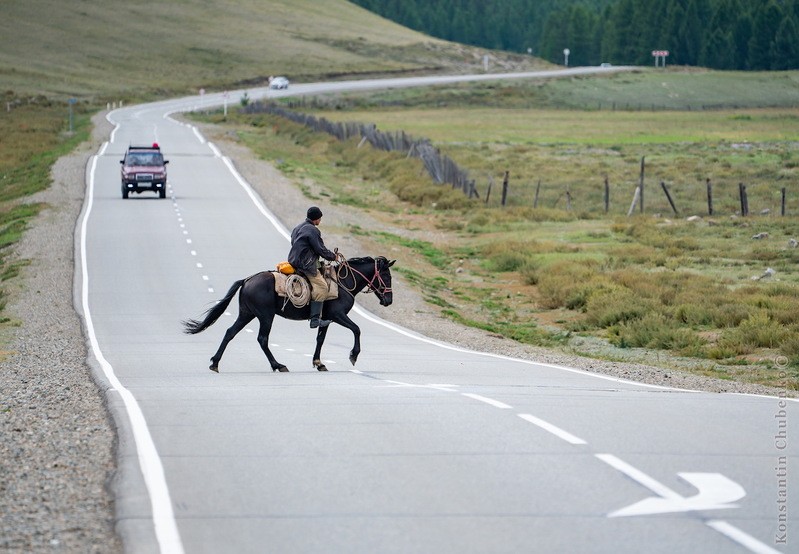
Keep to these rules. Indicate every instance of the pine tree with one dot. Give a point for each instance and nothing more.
(764, 30)
(785, 49)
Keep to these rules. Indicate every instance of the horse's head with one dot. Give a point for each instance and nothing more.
(382, 284)
(372, 273)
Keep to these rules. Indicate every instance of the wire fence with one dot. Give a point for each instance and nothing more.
(441, 168)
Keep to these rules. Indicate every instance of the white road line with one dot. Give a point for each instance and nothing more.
(166, 530)
(735, 534)
(638, 476)
(557, 431)
(490, 401)
(198, 134)
(726, 529)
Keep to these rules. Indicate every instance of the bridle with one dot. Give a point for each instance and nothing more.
(376, 284)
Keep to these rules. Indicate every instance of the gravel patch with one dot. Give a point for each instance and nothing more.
(58, 447)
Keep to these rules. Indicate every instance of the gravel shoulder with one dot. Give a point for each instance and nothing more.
(58, 451)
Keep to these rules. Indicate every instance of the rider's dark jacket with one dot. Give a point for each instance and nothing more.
(307, 247)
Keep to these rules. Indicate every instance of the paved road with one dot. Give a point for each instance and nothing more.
(423, 448)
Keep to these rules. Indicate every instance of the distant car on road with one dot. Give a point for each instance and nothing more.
(144, 168)
(605, 64)
(279, 83)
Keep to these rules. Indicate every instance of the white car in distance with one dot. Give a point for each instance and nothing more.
(278, 83)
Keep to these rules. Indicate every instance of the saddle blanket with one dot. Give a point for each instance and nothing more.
(280, 285)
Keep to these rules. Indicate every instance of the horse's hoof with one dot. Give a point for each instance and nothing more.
(321, 367)
(281, 369)
(214, 368)
(353, 359)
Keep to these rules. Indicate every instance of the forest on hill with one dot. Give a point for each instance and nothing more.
(719, 34)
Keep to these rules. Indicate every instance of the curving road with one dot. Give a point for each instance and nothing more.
(423, 448)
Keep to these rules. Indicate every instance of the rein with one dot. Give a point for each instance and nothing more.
(380, 289)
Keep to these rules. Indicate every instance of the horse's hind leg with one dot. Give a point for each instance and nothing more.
(238, 325)
(263, 340)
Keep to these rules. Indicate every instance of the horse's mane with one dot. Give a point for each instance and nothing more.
(361, 260)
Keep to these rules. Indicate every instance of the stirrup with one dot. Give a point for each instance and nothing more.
(319, 322)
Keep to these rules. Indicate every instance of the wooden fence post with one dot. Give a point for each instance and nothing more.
(607, 194)
(744, 202)
(668, 197)
(782, 211)
(490, 184)
(709, 197)
(505, 188)
(568, 199)
(537, 189)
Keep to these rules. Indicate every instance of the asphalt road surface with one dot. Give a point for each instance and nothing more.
(421, 447)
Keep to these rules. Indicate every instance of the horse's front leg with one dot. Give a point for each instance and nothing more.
(345, 321)
(317, 354)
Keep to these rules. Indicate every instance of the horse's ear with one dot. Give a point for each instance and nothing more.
(391, 263)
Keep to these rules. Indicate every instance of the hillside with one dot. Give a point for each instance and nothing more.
(116, 48)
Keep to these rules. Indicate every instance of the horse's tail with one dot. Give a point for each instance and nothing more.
(193, 326)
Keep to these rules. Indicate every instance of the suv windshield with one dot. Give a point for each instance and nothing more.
(140, 159)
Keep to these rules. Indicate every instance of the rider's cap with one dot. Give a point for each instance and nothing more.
(314, 213)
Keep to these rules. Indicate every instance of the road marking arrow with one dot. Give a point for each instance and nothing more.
(716, 492)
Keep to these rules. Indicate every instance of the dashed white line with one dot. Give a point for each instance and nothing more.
(557, 431)
(489, 401)
(745, 540)
(638, 476)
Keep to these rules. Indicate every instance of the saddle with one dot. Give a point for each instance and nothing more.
(296, 287)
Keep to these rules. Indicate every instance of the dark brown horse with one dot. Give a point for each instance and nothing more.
(258, 298)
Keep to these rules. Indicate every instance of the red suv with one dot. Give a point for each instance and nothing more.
(144, 168)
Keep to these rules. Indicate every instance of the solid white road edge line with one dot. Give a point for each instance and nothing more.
(375, 319)
(166, 530)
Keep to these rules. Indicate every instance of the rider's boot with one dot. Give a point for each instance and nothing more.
(316, 314)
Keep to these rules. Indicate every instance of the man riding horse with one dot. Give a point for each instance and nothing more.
(306, 249)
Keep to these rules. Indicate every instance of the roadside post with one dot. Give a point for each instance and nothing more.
(658, 55)
(566, 53)
(71, 103)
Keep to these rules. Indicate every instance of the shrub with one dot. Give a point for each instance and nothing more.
(655, 331)
(567, 284)
(615, 305)
(757, 331)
